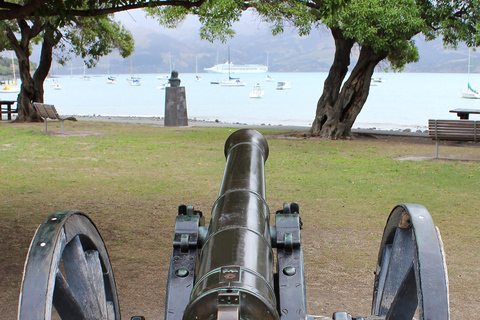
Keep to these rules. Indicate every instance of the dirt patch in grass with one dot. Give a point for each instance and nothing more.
(67, 134)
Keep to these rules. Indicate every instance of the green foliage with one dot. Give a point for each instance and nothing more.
(217, 18)
(295, 13)
(169, 17)
(384, 25)
(455, 21)
(4, 43)
(88, 37)
(96, 37)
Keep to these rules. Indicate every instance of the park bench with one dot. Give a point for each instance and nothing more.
(48, 111)
(453, 130)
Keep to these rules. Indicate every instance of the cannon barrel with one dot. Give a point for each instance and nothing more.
(235, 277)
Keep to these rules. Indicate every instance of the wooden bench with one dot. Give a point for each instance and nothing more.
(453, 130)
(48, 111)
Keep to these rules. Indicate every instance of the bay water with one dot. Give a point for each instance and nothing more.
(402, 101)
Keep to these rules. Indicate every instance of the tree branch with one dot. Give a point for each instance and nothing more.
(10, 10)
(15, 11)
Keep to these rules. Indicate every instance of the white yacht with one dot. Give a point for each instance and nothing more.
(237, 68)
(257, 91)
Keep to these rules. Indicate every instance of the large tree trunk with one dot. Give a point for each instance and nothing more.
(335, 116)
(333, 83)
(26, 113)
(50, 39)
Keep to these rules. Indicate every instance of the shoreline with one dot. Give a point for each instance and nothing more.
(205, 123)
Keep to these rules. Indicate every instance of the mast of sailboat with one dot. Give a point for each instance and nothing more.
(13, 67)
(229, 78)
(196, 65)
(468, 76)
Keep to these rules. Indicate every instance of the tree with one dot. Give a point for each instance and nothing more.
(89, 38)
(81, 27)
(11, 10)
(380, 30)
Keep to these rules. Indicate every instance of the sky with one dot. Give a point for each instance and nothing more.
(137, 22)
(135, 19)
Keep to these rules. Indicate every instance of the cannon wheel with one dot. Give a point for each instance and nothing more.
(67, 267)
(411, 273)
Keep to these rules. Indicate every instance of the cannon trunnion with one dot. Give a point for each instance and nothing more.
(240, 266)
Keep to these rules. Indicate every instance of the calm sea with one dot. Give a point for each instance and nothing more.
(404, 100)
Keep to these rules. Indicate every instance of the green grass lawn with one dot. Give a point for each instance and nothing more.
(130, 179)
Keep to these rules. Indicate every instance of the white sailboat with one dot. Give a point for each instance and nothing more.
(197, 77)
(268, 78)
(257, 91)
(85, 77)
(166, 76)
(56, 85)
(470, 93)
(11, 86)
(111, 79)
(133, 80)
(231, 82)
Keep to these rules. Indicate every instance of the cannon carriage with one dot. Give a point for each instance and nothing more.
(237, 267)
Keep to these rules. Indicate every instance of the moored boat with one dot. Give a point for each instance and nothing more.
(134, 81)
(470, 93)
(268, 78)
(257, 91)
(163, 86)
(237, 68)
(283, 85)
(229, 67)
(233, 82)
(111, 80)
(197, 77)
(56, 85)
(10, 86)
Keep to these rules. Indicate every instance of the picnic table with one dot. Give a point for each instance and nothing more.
(464, 113)
(6, 107)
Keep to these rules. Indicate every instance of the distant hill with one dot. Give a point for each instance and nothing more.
(287, 52)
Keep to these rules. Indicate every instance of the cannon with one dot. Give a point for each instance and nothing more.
(240, 266)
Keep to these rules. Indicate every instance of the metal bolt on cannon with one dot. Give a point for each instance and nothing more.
(227, 270)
